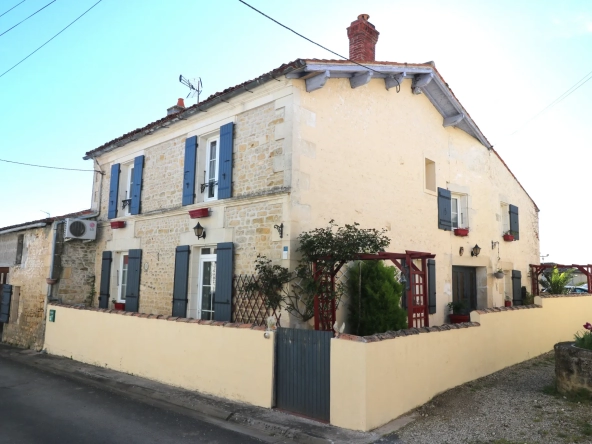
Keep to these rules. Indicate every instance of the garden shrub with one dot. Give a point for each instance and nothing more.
(379, 308)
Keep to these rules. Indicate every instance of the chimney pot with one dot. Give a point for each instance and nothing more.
(180, 106)
(362, 39)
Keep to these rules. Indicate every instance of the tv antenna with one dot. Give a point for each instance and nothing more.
(194, 88)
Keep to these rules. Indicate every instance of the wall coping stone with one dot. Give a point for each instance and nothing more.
(402, 333)
(570, 295)
(162, 317)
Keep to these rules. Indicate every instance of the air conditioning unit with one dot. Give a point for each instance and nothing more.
(81, 229)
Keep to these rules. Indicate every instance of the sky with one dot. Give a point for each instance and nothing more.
(117, 68)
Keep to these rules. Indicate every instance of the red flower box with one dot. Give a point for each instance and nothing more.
(459, 319)
(201, 212)
(119, 305)
(461, 232)
(508, 237)
(118, 224)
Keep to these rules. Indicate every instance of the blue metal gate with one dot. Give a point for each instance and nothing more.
(303, 372)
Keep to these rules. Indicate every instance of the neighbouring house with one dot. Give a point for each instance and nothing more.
(190, 200)
(50, 259)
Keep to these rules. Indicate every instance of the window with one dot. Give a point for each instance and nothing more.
(211, 172)
(459, 211)
(207, 284)
(505, 217)
(125, 188)
(430, 175)
(122, 277)
(19, 249)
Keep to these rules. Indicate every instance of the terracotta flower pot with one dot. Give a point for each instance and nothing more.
(462, 232)
(119, 305)
(507, 303)
(508, 237)
(458, 319)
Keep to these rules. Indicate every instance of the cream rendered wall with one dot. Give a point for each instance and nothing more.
(373, 383)
(359, 155)
(233, 363)
(261, 183)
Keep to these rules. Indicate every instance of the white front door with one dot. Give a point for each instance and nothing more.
(206, 285)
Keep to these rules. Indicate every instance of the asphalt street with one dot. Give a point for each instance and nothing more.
(39, 407)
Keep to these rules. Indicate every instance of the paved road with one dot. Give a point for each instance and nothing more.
(38, 407)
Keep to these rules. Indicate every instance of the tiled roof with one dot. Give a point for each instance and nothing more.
(49, 220)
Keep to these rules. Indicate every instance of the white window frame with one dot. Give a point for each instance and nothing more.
(462, 203)
(212, 175)
(202, 260)
(121, 287)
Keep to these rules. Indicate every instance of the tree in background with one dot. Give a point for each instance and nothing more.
(375, 302)
(554, 281)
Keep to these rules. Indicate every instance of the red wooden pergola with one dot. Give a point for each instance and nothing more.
(536, 270)
(412, 264)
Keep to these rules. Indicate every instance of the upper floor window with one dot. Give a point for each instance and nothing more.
(213, 156)
(459, 211)
(430, 175)
(211, 172)
(125, 188)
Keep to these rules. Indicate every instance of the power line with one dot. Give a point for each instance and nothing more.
(559, 99)
(45, 166)
(311, 41)
(27, 18)
(71, 23)
(12, 8)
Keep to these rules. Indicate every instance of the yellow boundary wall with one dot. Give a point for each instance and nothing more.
(373, 383)
(232, 361)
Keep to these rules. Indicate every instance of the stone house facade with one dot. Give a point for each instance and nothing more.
(380, 143)
(26, 252)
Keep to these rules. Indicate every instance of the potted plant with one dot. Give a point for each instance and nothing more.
(499, 273)
(462, 232)
(508, 301)
(508, 236)
(118, 305)
(458, 312)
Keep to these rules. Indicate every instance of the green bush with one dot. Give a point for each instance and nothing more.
(584, 340)
(379, 308)
(554, 281)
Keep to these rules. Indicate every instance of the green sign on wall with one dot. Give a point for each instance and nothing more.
(51, 315)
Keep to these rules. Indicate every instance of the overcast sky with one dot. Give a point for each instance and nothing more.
(117, 69)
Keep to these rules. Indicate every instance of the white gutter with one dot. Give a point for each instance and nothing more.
(24, 227)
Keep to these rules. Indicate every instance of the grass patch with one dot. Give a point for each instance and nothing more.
(585, 428)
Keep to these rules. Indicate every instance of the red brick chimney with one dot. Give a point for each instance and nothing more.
(362, 39)
(180, 106)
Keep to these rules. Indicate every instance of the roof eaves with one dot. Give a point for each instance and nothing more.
(48, 220)
(211, 101)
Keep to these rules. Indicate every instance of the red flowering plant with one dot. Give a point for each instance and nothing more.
(584, 339)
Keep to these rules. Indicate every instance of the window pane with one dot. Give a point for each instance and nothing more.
(454, 212)
(206, 298)
(207, 273)
(205, 251)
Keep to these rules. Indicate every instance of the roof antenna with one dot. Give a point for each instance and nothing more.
(194, 91)
(45, 213)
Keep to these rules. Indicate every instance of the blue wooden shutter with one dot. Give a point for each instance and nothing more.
(180, 283)
(516, 287)
(225, 163)
(514, 225)
(5, 297)
(224, 275)
(444, 209)
(105, 289)
(189, 174)
(137, 186)
(132, 291)
(432, 285)
(113, 191)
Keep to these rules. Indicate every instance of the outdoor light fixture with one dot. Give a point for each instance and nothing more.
(199, 231)
(280, 229)
(476, 250)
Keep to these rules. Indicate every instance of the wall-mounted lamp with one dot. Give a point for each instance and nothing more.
(493, 244)
(475, 250)
(280, 229)
(199, 231)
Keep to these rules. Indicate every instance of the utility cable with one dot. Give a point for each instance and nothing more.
(559, 99)
(313, 42)
(24, 20)
(12, 8)
(71, 23)
(45, 166)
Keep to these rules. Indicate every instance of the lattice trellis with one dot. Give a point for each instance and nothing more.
(248, 306)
